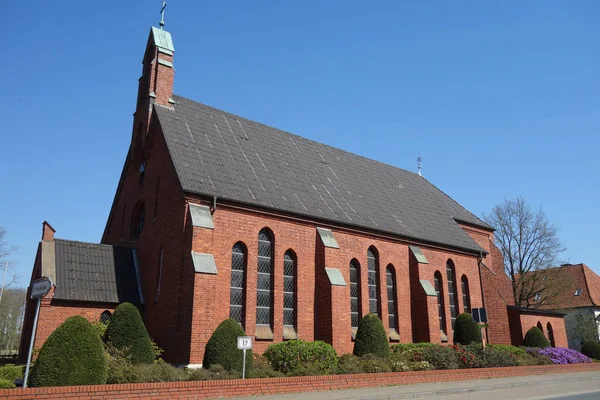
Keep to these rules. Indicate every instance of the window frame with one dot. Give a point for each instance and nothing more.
(271, 240)
(355, 264)
(439, 290)
(236, 257)
(294, 265)
(392, 298)
(373, 276)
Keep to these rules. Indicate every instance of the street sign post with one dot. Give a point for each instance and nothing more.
(244, 343)
(39, 288)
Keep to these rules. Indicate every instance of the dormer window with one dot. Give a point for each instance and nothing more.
(577, 292)
(545, 278)
(537, 297)
(142, 172)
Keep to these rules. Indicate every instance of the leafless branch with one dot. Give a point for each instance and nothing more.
(531, 247)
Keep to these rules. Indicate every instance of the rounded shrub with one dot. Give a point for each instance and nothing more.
(535, 338)
(371, 337)
(126, 332)
(72, 355)
(297, 357)
(221, 348)
(466, 330)
(591, 349)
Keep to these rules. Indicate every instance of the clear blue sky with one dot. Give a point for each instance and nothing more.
(501, 100)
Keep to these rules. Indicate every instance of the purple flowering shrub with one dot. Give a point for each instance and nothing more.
(564, 356)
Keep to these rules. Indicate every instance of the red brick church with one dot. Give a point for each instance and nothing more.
(218, 216)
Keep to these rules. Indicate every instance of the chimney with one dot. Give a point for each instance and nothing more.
(47, 232)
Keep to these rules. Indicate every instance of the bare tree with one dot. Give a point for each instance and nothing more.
(12, 312)
(6, 251)
(531, 247)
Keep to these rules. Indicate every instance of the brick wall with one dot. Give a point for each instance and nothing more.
(521, 322)
(238, 388)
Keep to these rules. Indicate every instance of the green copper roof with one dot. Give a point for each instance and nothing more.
(162, 39)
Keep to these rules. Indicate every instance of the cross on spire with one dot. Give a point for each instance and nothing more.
(162, 14)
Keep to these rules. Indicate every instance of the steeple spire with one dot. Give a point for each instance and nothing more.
(162, 14)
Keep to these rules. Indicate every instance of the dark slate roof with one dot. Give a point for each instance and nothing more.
(95, 272)
(216, 153)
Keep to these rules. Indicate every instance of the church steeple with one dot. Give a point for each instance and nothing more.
(156, 82)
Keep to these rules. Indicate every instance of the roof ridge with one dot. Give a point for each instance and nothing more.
(90, 243)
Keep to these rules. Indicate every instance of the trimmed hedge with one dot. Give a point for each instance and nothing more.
(535, 338)
(6, 384)
(298, 357)
(514, 350)
(591, 349)
(371, 337)
(466, 330)
(402, 347)
(126, 331)
(221, 348)
(72, 355)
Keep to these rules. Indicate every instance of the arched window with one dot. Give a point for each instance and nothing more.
(439, 290)
(390, 278)
(105, 317)
(451, 277)
(264, 284)
(238, 283)
(355, 308)
(550, 334)
(540, 327)
(466, 297)
(137, 222)
(373, 267)
(289, 289)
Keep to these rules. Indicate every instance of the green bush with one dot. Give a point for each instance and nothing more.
(516, 351)
(262, 369)
(402, 347)
(492, 357)
(371, 337)
(215, 372)
(297, 356)
(11, 372)
(466, 330)
(371, 364)
(440, 357)
(349, 364)
(120, 368)
(72, 355)
(160, 372)
(6, 384)
(100, 328)
(591, 349)
(126, 331)
(535, 338)
(222, 348)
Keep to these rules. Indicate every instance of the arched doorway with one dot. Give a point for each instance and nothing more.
(550, 334)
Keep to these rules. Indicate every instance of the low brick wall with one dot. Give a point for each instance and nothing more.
(237, 387)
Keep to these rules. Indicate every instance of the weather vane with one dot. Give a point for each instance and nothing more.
(162, 14)
(419, 159)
